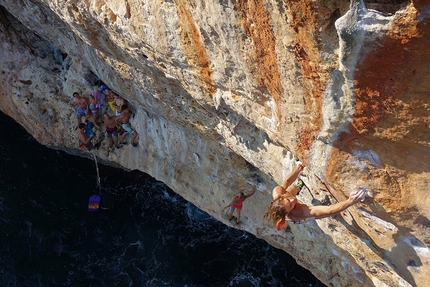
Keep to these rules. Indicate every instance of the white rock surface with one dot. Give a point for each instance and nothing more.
(227, 95)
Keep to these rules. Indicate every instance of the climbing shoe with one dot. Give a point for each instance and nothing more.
(300, 184)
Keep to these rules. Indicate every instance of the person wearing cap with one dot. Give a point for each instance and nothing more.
(285, 206)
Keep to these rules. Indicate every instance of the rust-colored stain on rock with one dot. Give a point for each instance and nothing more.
(304, 21)
(391, 108)
(256, 22)
(194, 49)
(381, 79)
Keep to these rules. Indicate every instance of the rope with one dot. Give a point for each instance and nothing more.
(98, 176)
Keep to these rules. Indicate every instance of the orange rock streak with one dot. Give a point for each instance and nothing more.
(304, 21)
(194, 49)
(256, 22)
(388, 94)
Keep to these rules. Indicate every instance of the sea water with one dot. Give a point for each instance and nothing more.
(151, 236)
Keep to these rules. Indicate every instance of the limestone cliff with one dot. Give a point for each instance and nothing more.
(228, 94)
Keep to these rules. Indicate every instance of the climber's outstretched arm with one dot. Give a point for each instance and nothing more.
(319, 211)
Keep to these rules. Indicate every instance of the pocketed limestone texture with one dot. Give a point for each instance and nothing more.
(229, 94)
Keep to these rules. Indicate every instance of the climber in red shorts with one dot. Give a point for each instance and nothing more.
(236, 204)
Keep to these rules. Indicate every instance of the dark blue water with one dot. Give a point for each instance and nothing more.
(151, 236)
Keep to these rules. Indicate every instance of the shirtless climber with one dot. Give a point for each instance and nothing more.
(285, 206)
(82, 109)
(124, 118)
(94, 107)
(111, 129)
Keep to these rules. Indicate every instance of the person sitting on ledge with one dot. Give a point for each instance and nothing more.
(82, 109)
(285, 206)
(94, 107)
(82, 132)
(111, 99)
(111, 129)
(124, 118)
(236, 204)
(117, 104)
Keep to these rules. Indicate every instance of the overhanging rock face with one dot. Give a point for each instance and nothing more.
(228, 94)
